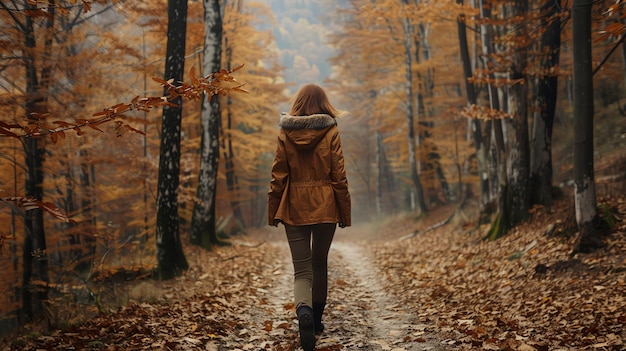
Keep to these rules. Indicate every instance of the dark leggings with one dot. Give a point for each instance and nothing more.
(310, 261)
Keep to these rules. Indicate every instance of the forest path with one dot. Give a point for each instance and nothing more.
(370, 316)
(361, 314)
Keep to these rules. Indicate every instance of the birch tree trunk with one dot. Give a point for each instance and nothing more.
(203, 221)
(500, 224)
(585, 192)
(472, 99)
(518, 165)
(170, 256)
(419, 192)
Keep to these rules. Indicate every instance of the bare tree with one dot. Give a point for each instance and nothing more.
(170, 256)
(545, 106)
(203, 221)
(585, 194)
(410, 114)
(472, 99)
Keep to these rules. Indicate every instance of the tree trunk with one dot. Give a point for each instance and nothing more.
(472, 99)
(425, 125)
(203, 221)
(380, 173)
(34, 252)
(232, 182)
(623, 61)
(89, 227)
(419, 193)
(585, 193)
(545, 105)
(385, 183)
(64, 257)
(78, 198)
(170, 256)
(500, 224)
(518, 150)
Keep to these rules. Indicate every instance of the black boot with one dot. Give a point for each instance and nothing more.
(307, 327)
(318, 311)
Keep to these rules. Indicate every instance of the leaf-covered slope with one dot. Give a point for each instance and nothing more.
(522, 292)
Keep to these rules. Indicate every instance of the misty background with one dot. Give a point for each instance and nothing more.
(301, 31)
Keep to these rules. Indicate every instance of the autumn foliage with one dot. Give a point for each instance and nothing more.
(221, 83)
(398, 72)
(98, 188)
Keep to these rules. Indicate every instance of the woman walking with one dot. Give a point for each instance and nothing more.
(309, 195)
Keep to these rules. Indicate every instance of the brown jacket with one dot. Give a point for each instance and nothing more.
(309, 184)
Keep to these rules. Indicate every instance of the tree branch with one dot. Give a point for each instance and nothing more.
(606, 58)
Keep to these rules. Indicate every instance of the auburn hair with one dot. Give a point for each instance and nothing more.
(312, 99)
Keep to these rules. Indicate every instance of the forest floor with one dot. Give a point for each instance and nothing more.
(398, 285)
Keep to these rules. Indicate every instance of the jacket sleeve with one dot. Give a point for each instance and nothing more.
(339, 180)
(280, 172)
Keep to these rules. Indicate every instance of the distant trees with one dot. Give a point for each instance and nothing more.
(512, 64)
(34, 34)
(407, 83)
(248, 121)
(384, 48)
(235, 22)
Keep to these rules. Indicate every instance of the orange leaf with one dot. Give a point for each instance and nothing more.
(135, 130)
(40, 115)
(7, 132)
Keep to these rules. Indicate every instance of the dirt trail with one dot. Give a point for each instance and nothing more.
(370, 316)
(361, 313)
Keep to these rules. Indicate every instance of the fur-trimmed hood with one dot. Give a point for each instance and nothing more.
(317, 121)
(306, 131)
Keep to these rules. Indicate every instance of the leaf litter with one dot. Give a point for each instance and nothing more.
(439, 289)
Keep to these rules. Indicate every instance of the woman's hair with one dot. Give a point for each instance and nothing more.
(311, 99)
